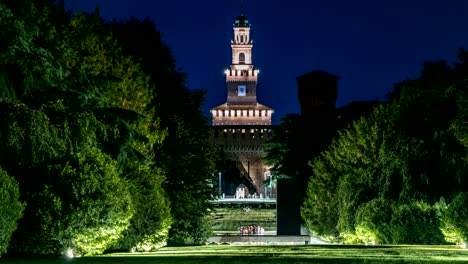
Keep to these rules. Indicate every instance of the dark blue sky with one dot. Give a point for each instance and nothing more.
(370, 44)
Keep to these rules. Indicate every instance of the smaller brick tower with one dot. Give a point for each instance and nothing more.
(317, 94)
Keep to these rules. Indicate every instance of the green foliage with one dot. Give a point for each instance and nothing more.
(119, 78)
(320, 208)
(372, 223)
(416, 223)
(11, 209)
(149, 226)
(185, 155)
(194, 231)
(364, 168)
(460, 126)
(83, 205)
(97, 206)
(190, 166)
(357, 168)
(125, 85)
(455, 220)
(25, 50)
(284, 152)
(411, 149)
(76, 117)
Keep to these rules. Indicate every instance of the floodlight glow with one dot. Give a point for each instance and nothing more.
(463, 245)
(70, 253)
(146, 247)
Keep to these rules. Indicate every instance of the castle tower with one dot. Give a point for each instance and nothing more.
(317, 93)
(241, 107)
(241, 125)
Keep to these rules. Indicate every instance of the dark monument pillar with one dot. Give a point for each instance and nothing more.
(288, 208)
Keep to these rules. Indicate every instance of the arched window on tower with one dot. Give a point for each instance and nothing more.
(241, 58)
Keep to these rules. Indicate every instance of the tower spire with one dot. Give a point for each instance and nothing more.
(241, 107)
(242, 7)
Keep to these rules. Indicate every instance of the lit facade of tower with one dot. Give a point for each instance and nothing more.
(241, 107)
(241, 125)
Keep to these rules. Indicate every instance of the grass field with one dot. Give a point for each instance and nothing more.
(228, 220)
(274, 255)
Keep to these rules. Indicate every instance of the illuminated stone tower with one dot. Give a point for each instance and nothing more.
(241, 107)
(242, 125)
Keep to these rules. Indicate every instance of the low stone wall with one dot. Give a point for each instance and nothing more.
(265, 240)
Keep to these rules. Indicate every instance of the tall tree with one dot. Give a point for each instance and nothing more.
(83, 157)
(406, 151)
(185, 155)
(124, 85)
(11, 209)
(284, 150)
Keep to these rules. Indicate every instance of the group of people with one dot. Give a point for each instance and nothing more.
(251, 230)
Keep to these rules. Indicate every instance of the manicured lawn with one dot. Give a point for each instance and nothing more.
(228, 220)
(274, 255)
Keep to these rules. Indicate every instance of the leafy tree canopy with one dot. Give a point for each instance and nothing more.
(412, 149)
(67, 91)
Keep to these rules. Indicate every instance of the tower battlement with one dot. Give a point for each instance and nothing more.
(247, 72)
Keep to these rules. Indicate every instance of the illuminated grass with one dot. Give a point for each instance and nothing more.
(275, 255)
(228, 220)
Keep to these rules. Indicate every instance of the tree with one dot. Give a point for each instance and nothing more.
(284, 152)
(122, 83)
(82, 206)
(372, 222)
(416, 223)
(185, 155)
(357, 168)
(58, 118)
(11, 209)
(408, 150)
(460, 125)
(454, 222)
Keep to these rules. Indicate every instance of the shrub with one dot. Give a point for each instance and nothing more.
(195, 231)
(83, 206)
(350, 238)
(149, 226)
(416, 223)
(11, 209)
(372, 222)
(454, 224)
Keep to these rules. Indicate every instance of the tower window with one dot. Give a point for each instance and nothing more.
(241, 58)
(241, 39)
(241, 90)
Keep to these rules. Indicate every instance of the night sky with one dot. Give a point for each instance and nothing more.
(370, 45)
